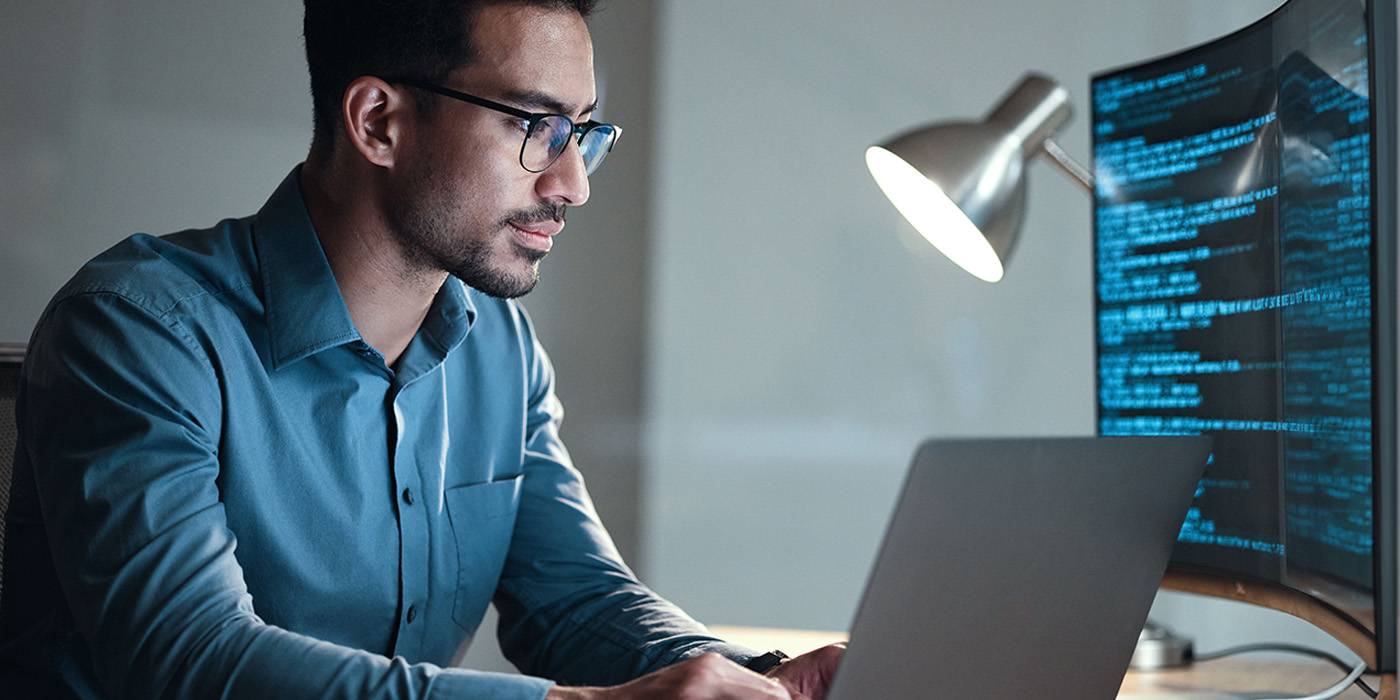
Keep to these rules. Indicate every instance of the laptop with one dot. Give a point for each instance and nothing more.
(1019, 568)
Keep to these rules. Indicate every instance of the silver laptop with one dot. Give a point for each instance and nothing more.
(1019, 568)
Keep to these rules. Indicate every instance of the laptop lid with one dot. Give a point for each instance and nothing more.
(1019, 568)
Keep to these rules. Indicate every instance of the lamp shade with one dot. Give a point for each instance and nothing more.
(961, 184)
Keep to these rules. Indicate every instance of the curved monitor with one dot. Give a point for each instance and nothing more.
(1245, 288)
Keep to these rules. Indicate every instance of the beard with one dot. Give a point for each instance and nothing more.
(425, 217)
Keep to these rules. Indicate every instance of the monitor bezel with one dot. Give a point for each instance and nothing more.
(1382, 32)
(1381, 20)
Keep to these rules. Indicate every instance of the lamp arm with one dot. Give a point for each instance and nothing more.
(1068, 165)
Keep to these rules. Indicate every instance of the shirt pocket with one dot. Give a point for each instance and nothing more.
(483, 518)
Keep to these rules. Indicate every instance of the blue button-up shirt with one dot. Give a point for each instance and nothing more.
(222, 491)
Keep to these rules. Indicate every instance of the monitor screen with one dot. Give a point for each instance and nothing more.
(1235, 282)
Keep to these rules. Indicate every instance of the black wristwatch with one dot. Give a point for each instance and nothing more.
(767, 662)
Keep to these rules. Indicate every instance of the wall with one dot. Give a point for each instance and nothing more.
(128, 117)
(804, 339)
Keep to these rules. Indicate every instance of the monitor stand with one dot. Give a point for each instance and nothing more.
(1343, 628)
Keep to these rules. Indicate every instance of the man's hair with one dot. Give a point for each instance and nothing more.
(421, 39)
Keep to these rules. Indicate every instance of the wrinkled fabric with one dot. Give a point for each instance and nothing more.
(222, 491)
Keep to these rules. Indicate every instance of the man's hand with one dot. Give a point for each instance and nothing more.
(809, 675)
(708, 677)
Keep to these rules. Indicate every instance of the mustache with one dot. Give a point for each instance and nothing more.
(536, 214)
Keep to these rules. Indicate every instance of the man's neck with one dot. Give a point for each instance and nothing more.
(388, 297)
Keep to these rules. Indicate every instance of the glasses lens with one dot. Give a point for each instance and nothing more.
(596, 144)
(546, 140)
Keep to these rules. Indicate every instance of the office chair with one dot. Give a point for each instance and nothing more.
(11, 356)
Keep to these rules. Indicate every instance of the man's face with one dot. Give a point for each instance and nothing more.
(460, 201)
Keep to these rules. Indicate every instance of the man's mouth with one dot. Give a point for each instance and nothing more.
(537, 235)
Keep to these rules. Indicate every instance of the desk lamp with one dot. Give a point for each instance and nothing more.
(961, 184)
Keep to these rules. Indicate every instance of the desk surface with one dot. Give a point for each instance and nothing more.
(1236, 678)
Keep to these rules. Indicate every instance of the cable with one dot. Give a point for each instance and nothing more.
(1285, 648)
(1295, 649)
(1335, 690)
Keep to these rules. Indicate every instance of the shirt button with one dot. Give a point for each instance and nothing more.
(408, 496)
(412, 613)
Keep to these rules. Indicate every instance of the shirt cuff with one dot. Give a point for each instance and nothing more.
(739, 654)
(461, 684)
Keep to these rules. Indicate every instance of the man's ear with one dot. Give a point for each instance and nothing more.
(375, 114)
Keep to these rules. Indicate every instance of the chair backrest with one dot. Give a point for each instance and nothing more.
(10, 358)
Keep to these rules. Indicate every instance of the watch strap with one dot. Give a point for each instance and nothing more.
(766, 662)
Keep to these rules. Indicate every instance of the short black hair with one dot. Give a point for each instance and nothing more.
(423, 39)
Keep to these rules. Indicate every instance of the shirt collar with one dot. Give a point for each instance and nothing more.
(445, 327)
(304, 309)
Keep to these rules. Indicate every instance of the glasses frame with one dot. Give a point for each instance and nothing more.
(577, 131)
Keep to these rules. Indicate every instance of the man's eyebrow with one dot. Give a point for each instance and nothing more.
(536, 100)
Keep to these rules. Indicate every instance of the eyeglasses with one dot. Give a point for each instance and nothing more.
(546, 135)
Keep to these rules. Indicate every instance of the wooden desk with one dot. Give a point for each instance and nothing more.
(1239, 677)
(1236, 678)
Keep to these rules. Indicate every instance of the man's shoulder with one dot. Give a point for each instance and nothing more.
(161, 273)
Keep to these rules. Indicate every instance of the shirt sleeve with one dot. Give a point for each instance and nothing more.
(570, 609)
(120, 412)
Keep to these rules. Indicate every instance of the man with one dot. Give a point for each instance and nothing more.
(296, 455)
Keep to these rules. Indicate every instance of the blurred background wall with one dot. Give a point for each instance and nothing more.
(750, 342)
